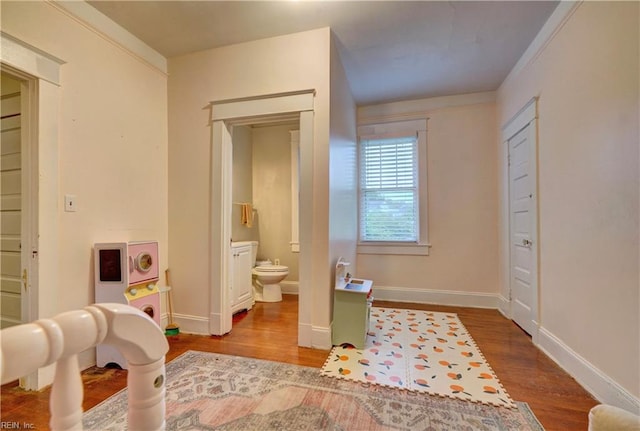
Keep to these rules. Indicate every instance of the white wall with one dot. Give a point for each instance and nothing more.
(343, 186)
(112, 151)
(269, 66)
(461, 267)
(586, 79)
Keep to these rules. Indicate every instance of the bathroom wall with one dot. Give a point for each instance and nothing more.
(242, 187)
(272, 194)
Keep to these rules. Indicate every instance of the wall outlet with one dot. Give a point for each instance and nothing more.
(70, 203)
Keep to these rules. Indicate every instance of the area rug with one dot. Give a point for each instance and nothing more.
(207, 391)
(420, 351)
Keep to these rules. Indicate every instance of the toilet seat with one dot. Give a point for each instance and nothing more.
(271, 268)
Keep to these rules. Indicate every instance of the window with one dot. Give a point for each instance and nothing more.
(392, 189)
(389, 189)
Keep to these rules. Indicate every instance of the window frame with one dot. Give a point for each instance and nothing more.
(396, 129)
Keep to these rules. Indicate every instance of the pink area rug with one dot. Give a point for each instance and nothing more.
(207, 391)
(420, 351)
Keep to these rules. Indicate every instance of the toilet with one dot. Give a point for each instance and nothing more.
(266, 286)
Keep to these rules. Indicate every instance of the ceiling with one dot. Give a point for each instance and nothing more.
(391, 50)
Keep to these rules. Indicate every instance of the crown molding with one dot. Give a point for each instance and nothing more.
(104, 26)
(551, 27)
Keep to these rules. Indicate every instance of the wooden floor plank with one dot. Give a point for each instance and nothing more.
(270, 331)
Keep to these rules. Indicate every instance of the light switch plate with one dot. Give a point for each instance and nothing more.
(70, 203)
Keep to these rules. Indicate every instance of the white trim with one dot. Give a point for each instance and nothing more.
(504, 306)
(220, 228)
(397, 129)
(235, 110)
(295, 191)
(432, 296)
(225, 114)
(290, 287)
(551, 27)
(305, 332)
(191, 324)
(399, 249)
(321, 337)
(521, 119)
(306, 264)
(104, 26)
(22, 56)
(601, 386)
(416, 109)
(505, 272)
(42, 73)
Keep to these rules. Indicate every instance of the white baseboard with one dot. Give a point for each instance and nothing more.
(504, 306)
(289, 287)
(315, 337)
(321, 338)
(305, 335)
(189, 324)
(601, 386)
(439, 297)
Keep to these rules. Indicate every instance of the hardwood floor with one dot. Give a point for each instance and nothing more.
(269, 331)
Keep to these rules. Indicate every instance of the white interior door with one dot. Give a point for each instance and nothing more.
(523, 227)
(11, 264)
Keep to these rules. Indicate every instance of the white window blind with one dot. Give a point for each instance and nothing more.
(389, 190)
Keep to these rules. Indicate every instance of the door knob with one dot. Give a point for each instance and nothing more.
(527, 243)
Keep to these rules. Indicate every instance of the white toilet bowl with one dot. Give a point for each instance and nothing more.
(267, 287)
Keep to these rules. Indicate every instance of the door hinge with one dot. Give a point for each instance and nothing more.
(25, 280)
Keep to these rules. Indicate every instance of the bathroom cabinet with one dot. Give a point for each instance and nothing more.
(351, 307)
(241, 288)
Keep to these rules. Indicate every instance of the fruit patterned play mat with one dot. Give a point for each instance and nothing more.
(422, 351)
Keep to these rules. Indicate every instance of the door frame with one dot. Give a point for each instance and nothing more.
(29, 193)
(224, 115)
(527, 116)
(40, 76)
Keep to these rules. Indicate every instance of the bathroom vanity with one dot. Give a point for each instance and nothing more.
(241, 287)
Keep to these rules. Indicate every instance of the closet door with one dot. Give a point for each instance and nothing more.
(11, 206)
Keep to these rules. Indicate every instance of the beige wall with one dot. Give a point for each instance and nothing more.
(343, 187)
(269, 66)
(272, 194)
(113, 144)
(112, 151)
(587, 82)
(242, 183)
(463, 205)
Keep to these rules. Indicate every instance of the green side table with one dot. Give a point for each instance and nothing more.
(352, 303)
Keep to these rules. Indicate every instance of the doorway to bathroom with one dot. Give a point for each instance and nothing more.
(266, 114)
(264, 208)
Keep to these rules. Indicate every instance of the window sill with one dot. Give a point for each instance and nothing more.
(394, 249)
